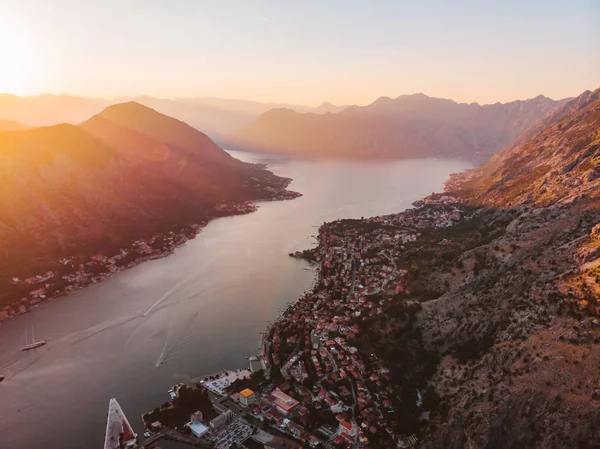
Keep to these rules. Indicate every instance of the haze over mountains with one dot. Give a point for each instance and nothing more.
(215, 117)
(405, 127)
(12, 125)
(127, 173)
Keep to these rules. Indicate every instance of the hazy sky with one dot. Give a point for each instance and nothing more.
(301, 51)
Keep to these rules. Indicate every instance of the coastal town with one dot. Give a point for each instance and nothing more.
(315, 384)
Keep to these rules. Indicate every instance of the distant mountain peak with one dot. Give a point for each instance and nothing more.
(279, 112)
(128, 106)
(383, 101)
(557, 160)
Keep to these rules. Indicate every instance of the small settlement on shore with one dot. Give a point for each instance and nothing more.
(74, 273)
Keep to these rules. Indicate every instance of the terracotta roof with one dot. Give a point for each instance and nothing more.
(346, 425)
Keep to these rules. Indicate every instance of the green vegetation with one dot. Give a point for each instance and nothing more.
(177, 413)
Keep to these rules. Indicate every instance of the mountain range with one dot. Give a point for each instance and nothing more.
(408, 126)
(69, 192)
(497, 323)
(215, 117)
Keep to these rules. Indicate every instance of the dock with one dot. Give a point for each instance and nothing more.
(119, 433)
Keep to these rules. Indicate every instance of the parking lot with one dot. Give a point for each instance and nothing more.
(235, 432)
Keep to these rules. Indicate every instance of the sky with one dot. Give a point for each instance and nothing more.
(302, 52)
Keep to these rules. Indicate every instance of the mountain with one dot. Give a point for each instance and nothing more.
(217, 117)
(256, 108)
(406, 127)
(325, 108)
(12, 125)
(558, 162)
(472, 320)
(518, 316)
(46, 109)
(128, 174)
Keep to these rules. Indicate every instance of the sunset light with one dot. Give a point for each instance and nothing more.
(269, 224)
(15, 60)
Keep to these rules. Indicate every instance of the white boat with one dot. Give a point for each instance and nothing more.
(34, 344)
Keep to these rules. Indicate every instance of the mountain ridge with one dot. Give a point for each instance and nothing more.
(408, 126)
(129, 174)
(216, 117)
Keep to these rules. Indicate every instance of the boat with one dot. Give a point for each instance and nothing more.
(1, 377)
(34, 344)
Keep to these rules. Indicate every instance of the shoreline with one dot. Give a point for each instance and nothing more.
(109, 266)
(355, 280)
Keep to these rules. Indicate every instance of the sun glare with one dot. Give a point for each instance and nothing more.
(15, 60)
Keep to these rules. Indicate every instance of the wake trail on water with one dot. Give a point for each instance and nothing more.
(169, 293)
(81, 336)
(166, 355)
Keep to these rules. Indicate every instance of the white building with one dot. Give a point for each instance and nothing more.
(197, 428)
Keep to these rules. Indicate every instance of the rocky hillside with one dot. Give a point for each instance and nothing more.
(406, 127)
(516, 320)
(70, 193)
(482, 303)
(555, 165)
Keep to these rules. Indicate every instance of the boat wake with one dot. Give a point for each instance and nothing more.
(102, 327)
(166, 354)
(166, 295)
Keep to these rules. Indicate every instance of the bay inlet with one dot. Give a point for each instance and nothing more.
(199, 310)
